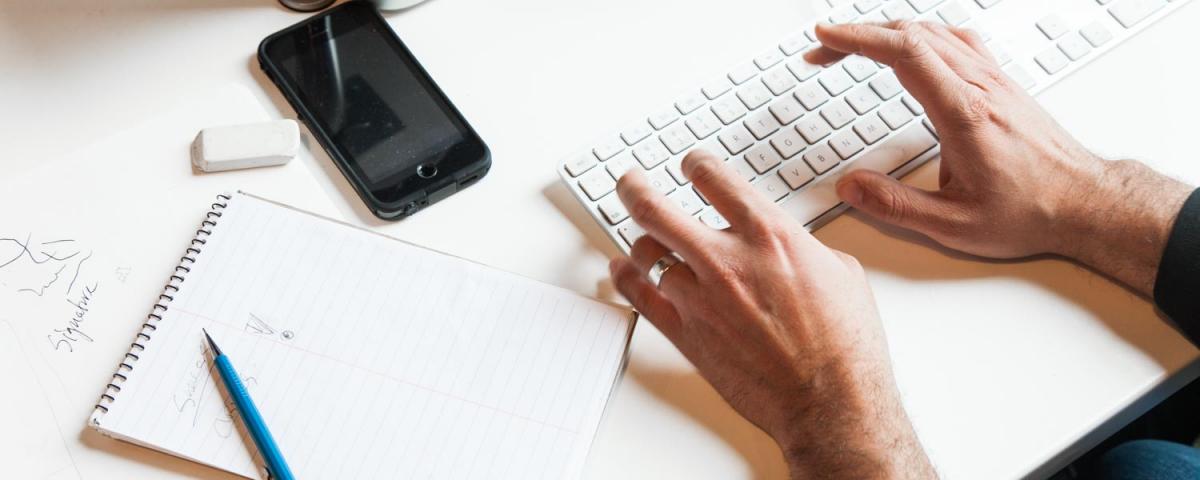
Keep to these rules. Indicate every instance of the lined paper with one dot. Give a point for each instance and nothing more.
(372, 358)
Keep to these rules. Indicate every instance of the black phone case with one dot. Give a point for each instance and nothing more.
(410, 202)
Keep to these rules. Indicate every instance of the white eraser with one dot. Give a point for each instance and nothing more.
(234, 147)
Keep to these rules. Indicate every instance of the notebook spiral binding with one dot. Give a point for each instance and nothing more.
(160, 307)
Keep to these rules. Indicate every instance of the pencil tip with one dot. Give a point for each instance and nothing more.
(216, 350)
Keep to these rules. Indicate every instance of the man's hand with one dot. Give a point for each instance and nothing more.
(783, 327)
(1013, 182)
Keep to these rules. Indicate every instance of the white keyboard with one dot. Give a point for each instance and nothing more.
(792, 128)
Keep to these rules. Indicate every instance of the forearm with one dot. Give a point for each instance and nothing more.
(1118, 220)
(863, 433)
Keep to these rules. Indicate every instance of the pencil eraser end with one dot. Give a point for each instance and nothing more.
(234, 147)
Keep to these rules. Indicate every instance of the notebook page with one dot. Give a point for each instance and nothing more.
(372, 358)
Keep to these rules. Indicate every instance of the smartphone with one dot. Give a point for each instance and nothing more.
(389, 128)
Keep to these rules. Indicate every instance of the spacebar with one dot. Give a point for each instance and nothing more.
(888, 156)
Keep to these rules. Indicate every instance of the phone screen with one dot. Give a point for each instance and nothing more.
(374, 101)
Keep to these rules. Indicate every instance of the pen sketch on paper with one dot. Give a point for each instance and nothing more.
(51, 272)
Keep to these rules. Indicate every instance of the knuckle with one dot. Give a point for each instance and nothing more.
(977, 106)
(896, 205)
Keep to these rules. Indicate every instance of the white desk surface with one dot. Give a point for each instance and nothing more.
(1003, 366)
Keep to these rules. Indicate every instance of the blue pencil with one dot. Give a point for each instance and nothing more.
(276, 467)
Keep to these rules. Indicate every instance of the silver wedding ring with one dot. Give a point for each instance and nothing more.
(660, 268)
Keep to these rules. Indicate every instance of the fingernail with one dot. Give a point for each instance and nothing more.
(851, 192)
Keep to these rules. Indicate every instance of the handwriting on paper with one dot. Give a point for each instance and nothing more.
(72, 332)
(51, 272)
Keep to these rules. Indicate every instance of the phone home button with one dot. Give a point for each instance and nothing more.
(427, 170)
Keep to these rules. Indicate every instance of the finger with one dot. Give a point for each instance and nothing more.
(645, 298)
(890, 201)
(732, 196)
(823, 55)
(960, 57)
(677, 284)
(664, 220)
(904, 47)
(975, 41)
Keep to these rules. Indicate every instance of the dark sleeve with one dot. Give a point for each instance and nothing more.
(1177, 288)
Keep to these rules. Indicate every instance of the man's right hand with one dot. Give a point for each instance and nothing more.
(1013, 182)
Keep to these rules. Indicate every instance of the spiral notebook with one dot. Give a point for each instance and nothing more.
(368, 357)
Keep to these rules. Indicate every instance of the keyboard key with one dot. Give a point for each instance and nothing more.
(813, 129)
(1132, 12)
(899, 11)
(779, 80)
(762, 124)
(689, 103)
(908, 144)
(651, 153)
(999, 53)
(860, 68)
(895, 115)
(802, 69)
(838, 114)
(788, 143)
(794, 44)
(796, 173)
(630, 232)
(704, 124)
(1096, 34)
(836, 81)
(687, 200)
(923, 6)
(846, 144)
(661, 181)
(986, 3)
(786, 109)
(845, 15)
(716, 88)
(862, 99)
(613, 210)
(606, 150)
(743, 73)
(677, 138)
(581, 163)
(754, 95)
(1052, 26)
(763, 158)
(913, 106)
(742, 168)
(864, 6)
(886, 85)
(768, 59)
(1074, 46)
(736, 139)
(675, 169)
(871, 129)
(954, 14)
(713, 219)
(1052, 60)
(821, 158)
(729, 109)
(661, 119)
(1019, 75)
(636, 133)
(891, 154)
(619, 165)
(772, 187)
(596, 184)
(811, 95)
